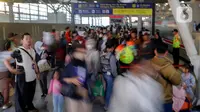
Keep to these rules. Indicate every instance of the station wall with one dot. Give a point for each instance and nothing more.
(35, 29)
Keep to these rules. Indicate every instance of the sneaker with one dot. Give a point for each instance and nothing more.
(105, 108)
(33, 110)
(43, 96)
(6, 106)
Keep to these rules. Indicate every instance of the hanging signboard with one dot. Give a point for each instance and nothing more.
(132, 11)
(111, 5)
(114, 9)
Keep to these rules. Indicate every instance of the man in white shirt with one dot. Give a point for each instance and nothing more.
(26, 74)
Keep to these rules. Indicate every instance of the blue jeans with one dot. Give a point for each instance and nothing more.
(109, 86)
(167, 107)
(58, 101)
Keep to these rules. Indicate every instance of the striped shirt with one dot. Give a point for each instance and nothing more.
(3, 56)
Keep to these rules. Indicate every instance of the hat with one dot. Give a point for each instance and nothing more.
(145, 33)
(175, 30)
(126, 56)
(11, 34)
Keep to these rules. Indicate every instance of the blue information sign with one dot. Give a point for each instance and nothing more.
(111, 5)
(93, 11)
(106, 8)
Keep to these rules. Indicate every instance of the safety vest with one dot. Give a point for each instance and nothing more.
(176, 41)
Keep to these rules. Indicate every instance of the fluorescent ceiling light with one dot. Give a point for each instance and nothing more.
(95, 1)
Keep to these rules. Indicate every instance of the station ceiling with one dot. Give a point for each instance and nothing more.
(57, 1)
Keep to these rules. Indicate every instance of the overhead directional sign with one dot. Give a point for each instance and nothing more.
(114, 9)
(111, 5)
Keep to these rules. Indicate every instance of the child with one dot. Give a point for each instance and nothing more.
(188, 82)
(54, 88)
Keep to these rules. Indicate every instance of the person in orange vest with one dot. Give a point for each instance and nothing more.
(176, 46)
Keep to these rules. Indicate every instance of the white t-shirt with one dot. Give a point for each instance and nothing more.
(27, 63)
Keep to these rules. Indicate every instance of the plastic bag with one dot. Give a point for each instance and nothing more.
(98, 89)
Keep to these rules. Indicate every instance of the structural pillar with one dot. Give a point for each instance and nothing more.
(195, 9)
(153, 18)
(56, 15)
(72, 16)
(139, 28)
(130, 20)
(195, 13)
(11, 14)
(80, 19)
(187, 41)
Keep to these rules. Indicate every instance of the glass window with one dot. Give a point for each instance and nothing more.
(33, 17)
(42, 13)
(23, 10)
(134, 19)
(24, 17)
(16, 18)
(43, 18)
(35, 12)
(15, 8)
(42, 7)
(77, 19)
(106, 21)
(24, 6)
(33, 7)
(85, 20)
(2, 6)
(50, 10)
(16, 15)
(7, 8)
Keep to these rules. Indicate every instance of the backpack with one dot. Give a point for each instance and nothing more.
(105, 63)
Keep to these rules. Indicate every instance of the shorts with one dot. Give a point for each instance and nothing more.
(4, 81)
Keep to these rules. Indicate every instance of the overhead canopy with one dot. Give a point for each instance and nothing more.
(58, 1)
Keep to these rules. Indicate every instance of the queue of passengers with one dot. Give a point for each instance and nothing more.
(135, 72)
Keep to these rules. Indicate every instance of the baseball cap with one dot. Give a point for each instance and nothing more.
(11, 34)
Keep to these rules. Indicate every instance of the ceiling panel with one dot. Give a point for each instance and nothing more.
(57, 1)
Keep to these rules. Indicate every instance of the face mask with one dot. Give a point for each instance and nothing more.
(100, 35)
(74, 35)
(89, 47)
(105, 38)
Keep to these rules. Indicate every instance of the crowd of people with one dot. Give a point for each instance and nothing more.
(135, 71)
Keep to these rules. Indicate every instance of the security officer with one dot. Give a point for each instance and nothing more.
(176, 46)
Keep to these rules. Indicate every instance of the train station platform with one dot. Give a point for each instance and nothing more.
(46, 105)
